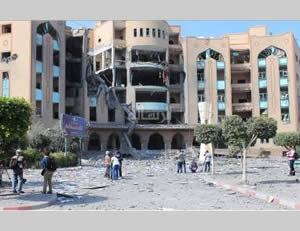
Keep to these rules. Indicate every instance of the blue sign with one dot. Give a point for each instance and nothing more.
(73, 125)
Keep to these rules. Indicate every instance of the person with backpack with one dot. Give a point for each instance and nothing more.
(17, 164)
(291, 154)
(49, 167)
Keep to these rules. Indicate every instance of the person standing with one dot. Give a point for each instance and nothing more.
(17, 164)
(107, 164)
(183, 160)
(207, 161)
(291, 157)
(178, 162)
(49, 167)
(120, 158)
(115, 167)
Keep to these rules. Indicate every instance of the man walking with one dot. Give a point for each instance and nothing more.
(207, 161)
(49, 167)
(17, 164)
(291, 157)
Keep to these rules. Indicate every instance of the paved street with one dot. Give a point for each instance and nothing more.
(147, 185)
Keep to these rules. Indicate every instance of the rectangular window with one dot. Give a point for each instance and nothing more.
(147, 32)
(38, 107)
(141, 32)
(39, 54)
(55, 84)
(164, 34)
(56, 58)
(153, 32)
(93, 115)
(134, 32)
(158, 33)
(111, 115)
(5, 55)
(55, 111)
(38, 84)
(6, 28)
(5, 84)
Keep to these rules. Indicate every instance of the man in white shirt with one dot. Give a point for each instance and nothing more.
(115, 167)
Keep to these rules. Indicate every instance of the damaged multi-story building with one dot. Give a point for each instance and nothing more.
(138, 83)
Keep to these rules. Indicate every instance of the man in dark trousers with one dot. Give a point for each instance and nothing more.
(17, 164)
(120, 158)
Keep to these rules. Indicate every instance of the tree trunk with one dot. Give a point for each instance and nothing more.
(244, 175)
(213, 159)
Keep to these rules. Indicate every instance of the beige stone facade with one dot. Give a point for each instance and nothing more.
(150, 67)
(37, 73)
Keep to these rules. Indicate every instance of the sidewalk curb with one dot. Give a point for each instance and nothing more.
(32, 207)
(258, 195)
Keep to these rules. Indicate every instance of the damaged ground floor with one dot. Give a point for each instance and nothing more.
(143, 137)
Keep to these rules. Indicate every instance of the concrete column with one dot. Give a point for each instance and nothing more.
(103, 60)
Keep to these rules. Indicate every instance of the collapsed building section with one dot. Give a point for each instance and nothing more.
(136, 86)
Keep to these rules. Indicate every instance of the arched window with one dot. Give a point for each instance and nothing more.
(178, 142)
(135, 141)
(283, 82)
(220, 87)
(156, 142)
(113, 142)
(94, 142)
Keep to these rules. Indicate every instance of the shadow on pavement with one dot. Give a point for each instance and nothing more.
(279, 182)
(238, 173)
(85, 199)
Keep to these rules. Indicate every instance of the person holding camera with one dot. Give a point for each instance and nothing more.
(17, 164)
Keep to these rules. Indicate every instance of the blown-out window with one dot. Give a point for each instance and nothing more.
(5, 84)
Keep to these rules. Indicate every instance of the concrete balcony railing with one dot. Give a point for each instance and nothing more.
(120, 63)
(175, 47)
(119, 43)
(177, 107)
(241, 87)
(176, 67)
(240, 107)
(240, 67)
(151, 106)
(175, 87)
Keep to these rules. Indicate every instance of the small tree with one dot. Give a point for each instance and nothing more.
(41, 138)
(287, 139)
(15, 119)
(209, 133)
(244, 134)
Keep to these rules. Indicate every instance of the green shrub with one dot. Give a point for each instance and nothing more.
(32, 155)
(64, 161)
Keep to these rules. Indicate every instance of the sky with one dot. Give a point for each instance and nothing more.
(217, 28)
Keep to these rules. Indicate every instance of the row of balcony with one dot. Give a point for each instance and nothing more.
(220, 65)
(242, 66)
(262, 83)
(220, 84)
(39, 96)
(241, 87)
(262, 62)
(39, 69)
(39, 41)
